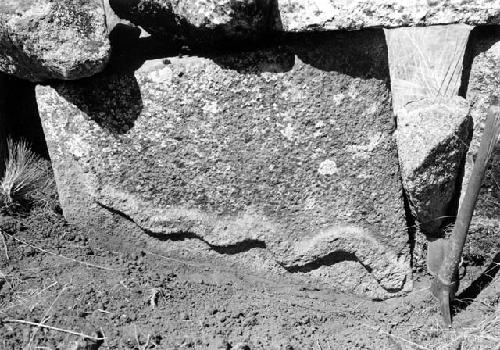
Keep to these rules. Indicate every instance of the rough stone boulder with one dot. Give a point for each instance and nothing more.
(309, 15)
(200, 21)
(50, 39)
(433, 137)
(288, 151)
(426, 66)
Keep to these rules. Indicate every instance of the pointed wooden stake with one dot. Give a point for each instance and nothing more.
(445, 284)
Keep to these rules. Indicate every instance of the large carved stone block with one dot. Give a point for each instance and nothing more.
(289, 150)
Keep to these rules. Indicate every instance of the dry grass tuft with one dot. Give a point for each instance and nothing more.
(23, 173)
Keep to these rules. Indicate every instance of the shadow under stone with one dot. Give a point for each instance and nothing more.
(481, 39)
(362, 53)
(231, 249)
(162, 21)
(112, 98)
(19, 113)
(327, 260)
(470, 294)
(264, 60)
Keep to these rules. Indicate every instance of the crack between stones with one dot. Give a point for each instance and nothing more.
(327, 260)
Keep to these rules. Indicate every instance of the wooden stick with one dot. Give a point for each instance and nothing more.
(457, 239)
(445, 285)
(41, 325)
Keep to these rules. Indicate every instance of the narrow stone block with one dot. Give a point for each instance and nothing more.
(426, 66)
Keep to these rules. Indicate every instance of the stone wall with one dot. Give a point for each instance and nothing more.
(254, 130)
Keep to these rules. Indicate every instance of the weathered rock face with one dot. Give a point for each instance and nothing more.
(300, 15)
(434, 126)
(483, 86)
(289, 150)
(199, 21)
(433, 135)
(50, 39)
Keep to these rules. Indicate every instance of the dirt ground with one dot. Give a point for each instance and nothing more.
(137, 297)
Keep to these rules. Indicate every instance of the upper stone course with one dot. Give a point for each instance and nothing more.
(307, 15)
(48, 39)
(210, 20)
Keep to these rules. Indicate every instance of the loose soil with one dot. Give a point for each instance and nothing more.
(138, 297)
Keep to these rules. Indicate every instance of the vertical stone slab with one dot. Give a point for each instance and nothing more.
(434, 124)
(425, 61)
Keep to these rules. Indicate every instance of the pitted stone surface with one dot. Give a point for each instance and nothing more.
(311, 15)
(289, 147)
(48, 39)
(433, 136)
